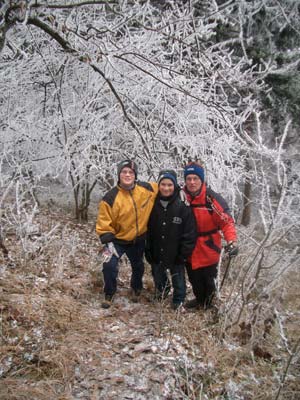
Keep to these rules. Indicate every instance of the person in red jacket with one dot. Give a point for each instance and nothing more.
(213, 220)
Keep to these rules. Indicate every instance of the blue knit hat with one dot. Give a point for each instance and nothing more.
(167, 174)
(194, 169)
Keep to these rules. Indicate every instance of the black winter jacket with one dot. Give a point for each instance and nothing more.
(172, 233)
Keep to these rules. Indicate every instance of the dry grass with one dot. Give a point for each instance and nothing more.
(57, 342)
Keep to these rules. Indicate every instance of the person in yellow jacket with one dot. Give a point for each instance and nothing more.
(122, 224)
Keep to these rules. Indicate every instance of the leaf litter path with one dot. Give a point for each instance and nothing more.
(58, 343)
(141, 352)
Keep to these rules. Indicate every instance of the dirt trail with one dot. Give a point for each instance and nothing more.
(58, 343)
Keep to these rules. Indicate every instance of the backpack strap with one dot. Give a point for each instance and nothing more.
(209, 203)
(208, 233)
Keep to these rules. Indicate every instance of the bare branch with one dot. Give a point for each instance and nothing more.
(46, 28)
(74, 5)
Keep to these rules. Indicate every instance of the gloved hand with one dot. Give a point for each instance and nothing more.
(183, 197)
(232, 249)
(108, 251)
(112, 248)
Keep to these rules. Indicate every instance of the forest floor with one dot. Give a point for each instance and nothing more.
(58, 343)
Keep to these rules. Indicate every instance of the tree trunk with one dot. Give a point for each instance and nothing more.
(246, 215)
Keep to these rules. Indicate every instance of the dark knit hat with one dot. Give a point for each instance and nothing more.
(167, 174)
(194, 169)
(129, 164)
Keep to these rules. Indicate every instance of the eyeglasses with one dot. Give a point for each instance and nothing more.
(126, 172)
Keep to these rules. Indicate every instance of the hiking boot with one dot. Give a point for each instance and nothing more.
(177, 306)
(192, 304)
(107, 301)
(135, 295)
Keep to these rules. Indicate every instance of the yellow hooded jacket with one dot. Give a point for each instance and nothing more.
(123, 214)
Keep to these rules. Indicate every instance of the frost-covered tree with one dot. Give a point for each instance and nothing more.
(87, 83)
(266, 33)
(133, 79)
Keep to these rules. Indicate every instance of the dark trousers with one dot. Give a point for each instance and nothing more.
(203, 283)
(163, 285)
(135, 253)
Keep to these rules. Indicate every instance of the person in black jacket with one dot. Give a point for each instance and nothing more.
(171, 237)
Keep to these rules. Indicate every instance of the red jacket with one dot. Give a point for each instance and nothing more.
(213, 217)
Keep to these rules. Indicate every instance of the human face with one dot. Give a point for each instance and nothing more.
(127, 177)
(166, 187)
(193, 183)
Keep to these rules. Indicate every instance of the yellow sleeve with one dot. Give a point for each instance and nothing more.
(154, 187)
(104, 224)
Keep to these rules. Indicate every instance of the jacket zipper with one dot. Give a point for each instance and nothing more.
(136, 214)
